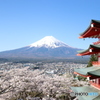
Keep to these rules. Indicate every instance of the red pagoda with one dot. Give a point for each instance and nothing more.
(91, 73)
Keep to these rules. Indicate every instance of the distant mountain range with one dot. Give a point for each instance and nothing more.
(48, 47)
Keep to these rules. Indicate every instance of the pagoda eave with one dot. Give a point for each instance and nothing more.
(91, 32)
(86, 53)
(80, 37)
(87, 89)
(82, 75)
(93, 49)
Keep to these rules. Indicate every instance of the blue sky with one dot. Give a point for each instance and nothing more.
(23, 22)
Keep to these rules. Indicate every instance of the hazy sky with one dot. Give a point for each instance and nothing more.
(23, 22)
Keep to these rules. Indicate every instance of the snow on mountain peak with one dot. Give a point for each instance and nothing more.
(48, 42)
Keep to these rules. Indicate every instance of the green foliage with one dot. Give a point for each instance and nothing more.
(63, 97)
(81, 78)
(92, 58)
(2, 60)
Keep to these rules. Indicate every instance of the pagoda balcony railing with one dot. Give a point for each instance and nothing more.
(96, 63)
(98, 42)
(95, 83)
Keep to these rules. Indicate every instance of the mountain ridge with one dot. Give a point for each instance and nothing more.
(47, 47)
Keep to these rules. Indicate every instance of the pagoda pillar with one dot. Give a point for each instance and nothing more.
(98, 57)
(88, 78)
(97, 81)
(99, 53)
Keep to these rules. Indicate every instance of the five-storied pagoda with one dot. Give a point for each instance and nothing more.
(91, 73)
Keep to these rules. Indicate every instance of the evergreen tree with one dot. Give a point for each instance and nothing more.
(92, 58)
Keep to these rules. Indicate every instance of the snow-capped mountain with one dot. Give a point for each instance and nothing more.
(49, 42)
(48, 47)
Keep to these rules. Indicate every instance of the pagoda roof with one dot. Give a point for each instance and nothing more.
(95, 73)
(93, 31)
(89, 90)
(93, 49)
(88, 71)
(97, 98)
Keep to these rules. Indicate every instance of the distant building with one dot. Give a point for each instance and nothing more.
(50, 72)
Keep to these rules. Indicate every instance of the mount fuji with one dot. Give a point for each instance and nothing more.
(49, 42)
(47, 47)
